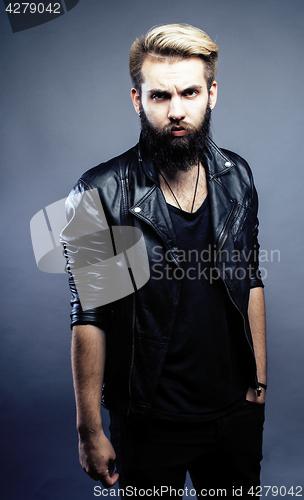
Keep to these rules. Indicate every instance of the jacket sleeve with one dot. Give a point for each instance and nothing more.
(86, 240)
(255, 275)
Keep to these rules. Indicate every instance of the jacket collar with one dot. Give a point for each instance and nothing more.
(216, 162)
(146, 161)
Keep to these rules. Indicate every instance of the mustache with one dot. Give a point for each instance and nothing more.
(170, 127)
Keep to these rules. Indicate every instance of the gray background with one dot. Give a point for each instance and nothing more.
(65, 107)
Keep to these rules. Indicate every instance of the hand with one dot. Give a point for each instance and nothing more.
(97, 458)
(253, 397)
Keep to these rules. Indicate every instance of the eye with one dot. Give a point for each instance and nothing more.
(190, 93)
(160, 96)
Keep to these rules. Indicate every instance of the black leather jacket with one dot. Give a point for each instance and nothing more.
(139, 326)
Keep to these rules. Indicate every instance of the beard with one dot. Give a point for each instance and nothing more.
(170, 153)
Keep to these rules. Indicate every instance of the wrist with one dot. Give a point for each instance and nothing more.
(260, 389)
(264, 386)
(87, 433)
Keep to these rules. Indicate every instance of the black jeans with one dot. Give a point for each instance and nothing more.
(222, 456)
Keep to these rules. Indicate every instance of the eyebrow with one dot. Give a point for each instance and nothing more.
(164, 91)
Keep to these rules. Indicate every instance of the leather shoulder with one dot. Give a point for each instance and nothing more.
(114, 168)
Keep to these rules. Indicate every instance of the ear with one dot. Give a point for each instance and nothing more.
(213, 94)
(135, 99)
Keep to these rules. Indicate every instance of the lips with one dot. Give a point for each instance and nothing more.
(178, 132)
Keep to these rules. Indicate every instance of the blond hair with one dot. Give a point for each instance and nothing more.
(173, 41)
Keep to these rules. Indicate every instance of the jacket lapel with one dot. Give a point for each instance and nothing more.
(223, 204)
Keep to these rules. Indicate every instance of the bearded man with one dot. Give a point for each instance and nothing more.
(181, 361)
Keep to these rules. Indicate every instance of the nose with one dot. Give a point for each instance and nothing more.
(176, 110)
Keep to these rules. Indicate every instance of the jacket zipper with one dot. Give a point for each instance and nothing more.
(227, 232)
(133, 310)
(174, 259)
(258, 389)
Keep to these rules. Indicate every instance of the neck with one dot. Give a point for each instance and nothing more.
(185, 189)
(182, 176)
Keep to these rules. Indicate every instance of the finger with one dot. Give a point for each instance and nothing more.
(108, 481)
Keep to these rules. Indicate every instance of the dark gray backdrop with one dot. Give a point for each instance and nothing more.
(65, 107)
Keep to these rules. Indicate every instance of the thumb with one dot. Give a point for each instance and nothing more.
(107, 480)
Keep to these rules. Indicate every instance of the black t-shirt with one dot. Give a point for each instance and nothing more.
(201, 377)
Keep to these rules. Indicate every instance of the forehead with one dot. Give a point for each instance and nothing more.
(167, 73)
